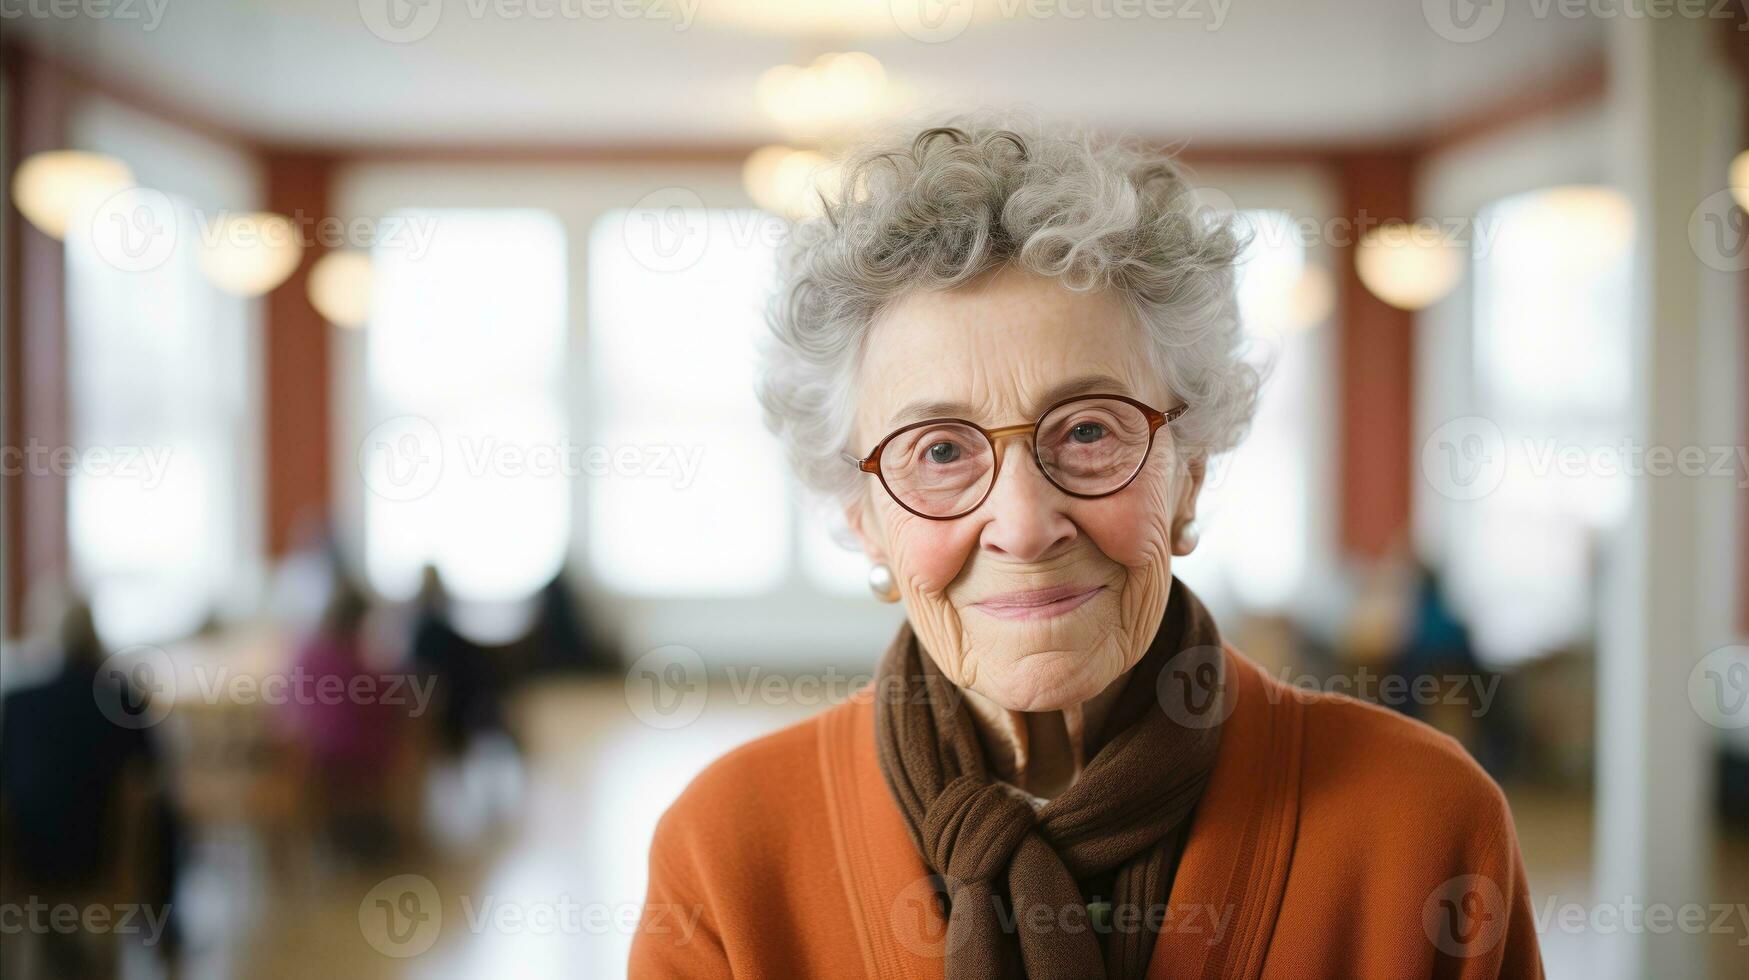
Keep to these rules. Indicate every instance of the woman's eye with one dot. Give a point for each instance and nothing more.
(1087, 432)
(943, 452)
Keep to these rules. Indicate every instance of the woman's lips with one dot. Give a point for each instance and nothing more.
(1037, 604)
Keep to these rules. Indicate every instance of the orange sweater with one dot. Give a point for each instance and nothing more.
(1335, 839)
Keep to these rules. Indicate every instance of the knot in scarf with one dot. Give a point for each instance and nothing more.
(973, 826)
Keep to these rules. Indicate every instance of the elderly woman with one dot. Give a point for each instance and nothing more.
(1009, 354)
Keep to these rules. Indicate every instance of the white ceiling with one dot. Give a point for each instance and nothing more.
(312, 72)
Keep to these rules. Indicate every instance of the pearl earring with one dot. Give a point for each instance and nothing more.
(1188, 536)
(881, 582)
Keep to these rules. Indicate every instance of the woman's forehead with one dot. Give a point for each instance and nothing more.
(1008, 349)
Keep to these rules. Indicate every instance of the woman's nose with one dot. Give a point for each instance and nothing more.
(1026, 518)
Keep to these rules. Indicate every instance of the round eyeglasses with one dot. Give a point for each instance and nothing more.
(1087, 446)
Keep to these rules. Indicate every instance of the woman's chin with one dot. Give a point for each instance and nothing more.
(1048, 680)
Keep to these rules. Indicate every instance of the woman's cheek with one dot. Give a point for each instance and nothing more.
(1135, 531)
(1134, 526)
(927, 556)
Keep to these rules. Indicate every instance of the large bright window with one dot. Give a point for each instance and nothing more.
(702, 504)
(1550, 397)
(158, 371)
(467, 464)
(1255, 507)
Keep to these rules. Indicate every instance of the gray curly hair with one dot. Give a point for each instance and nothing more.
(937, 208)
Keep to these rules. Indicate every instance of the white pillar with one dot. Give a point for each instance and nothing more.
(1654, 751)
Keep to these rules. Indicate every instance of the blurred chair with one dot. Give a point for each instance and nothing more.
(82, 815)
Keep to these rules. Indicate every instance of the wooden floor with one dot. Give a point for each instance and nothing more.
(551, 891)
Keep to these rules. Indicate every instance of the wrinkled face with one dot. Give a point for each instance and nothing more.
(1036, 599)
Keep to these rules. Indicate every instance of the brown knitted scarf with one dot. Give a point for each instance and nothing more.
(1014, 878)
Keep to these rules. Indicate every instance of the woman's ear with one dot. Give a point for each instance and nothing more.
(856, 514)
(1194, 471)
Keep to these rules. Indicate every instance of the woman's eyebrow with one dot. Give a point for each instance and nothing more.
(1087, 384)
(918, 411)
(1084, 385)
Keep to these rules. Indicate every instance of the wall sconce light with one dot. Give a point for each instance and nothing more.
(787, 181)
(340, 287)
(52, 188)
(250, 253)
(1408, 266)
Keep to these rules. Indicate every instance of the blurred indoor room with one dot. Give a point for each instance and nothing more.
(393, 529)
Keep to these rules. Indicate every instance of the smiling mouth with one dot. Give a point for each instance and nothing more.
(1038, 604)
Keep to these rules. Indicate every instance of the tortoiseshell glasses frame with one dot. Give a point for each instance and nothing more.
(1153, 418)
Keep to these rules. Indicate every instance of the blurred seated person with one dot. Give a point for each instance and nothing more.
(469, 700)
(1437, 644)
(561, 637)
(352, 739)
(77, 772)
